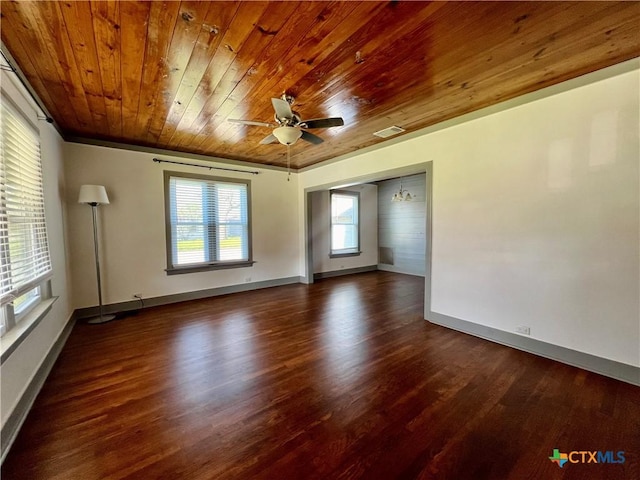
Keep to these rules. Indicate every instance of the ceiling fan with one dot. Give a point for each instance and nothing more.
(288, 126)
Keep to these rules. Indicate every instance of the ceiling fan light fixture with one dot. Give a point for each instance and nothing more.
(287, 135)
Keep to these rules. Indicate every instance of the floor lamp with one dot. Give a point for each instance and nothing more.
(95, 195)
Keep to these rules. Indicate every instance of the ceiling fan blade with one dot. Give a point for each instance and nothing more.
(250, 122)
(268, 139)
(311, 138)
(282, 108)
(323, 122)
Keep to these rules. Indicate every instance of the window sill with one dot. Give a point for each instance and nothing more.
(206, 268)
(346, 254)
(14, 337)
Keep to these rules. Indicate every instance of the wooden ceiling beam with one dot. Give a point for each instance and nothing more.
(107, 32)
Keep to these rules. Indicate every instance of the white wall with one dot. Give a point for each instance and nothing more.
(321, 231)
(18, 370)
(535, 213)
(402, 225)
(132, 227)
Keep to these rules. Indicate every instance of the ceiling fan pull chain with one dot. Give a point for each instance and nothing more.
(288, 163)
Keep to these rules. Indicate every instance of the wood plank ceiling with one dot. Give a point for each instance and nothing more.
(169, 74)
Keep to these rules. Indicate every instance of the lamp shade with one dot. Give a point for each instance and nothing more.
(287, 135)
(93, 194)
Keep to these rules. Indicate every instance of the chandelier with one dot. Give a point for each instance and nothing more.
(401, 195)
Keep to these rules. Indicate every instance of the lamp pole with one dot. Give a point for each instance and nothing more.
(94, 214)
(94, 195)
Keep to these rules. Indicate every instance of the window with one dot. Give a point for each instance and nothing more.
(25, 302)
(25, 265)
(345, 229)
(208, 223)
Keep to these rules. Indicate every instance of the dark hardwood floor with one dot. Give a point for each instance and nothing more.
(340, 379)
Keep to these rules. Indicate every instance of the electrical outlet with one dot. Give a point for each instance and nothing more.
(136, 295)
(523, 330)
(247, 279)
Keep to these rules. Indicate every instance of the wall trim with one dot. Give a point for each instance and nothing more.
(308, 235)
(345, 271)
(428, 229)
(172, 153)
(19, 414)
(392, 268)
(120, 307)
(603, 366)
(10, 342)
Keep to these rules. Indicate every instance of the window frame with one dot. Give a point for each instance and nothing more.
(35, 298)
(17, 325)
(207, 265)
(350, 252)
(13, 318)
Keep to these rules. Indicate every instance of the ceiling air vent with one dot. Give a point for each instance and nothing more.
(389, 132)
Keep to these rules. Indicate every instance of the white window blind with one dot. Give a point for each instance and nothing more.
(24, 250)
(208, 222)
(344, 223)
